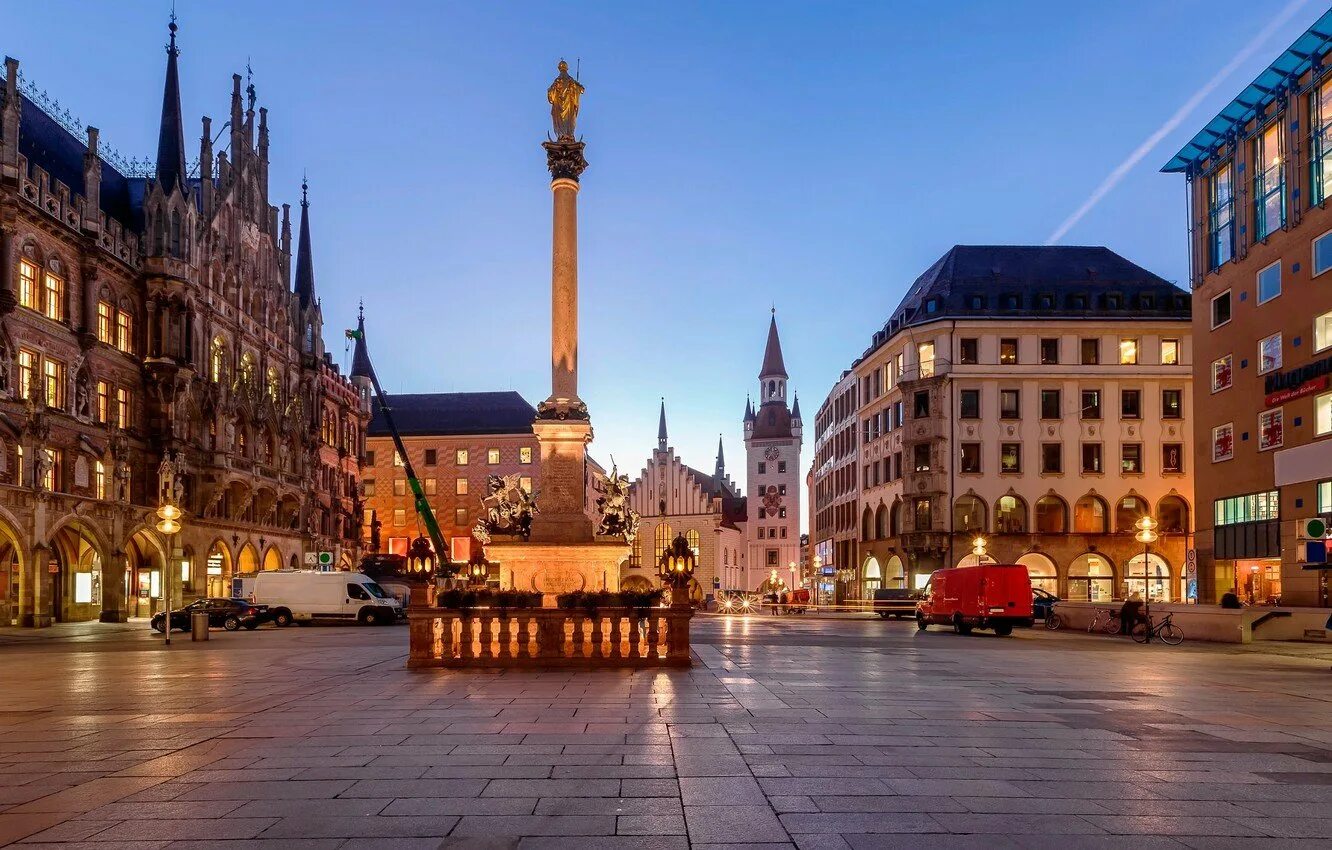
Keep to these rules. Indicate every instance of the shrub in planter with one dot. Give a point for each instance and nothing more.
(501, 600)
(590, 601)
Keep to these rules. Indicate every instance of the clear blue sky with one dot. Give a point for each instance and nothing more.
(813, 156)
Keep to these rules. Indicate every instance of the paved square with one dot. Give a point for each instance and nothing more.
(816, 734)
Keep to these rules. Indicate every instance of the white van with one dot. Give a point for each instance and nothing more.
(305, 595)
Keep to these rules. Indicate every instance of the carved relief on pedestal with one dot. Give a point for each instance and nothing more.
(558, 578)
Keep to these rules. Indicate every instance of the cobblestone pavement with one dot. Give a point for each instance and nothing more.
(805, 733)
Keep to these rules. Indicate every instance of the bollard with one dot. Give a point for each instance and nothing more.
(198, 626)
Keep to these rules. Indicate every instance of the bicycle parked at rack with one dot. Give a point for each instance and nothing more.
(1166, 631)
(1106, 621)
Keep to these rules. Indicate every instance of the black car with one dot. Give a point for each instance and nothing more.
(230, 614)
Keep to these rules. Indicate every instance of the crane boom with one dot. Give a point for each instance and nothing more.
(422, 506)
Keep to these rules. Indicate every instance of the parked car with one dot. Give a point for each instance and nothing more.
(895, 602)
(230, 614)
(301, 596)
(989, 596)
(1042, 603)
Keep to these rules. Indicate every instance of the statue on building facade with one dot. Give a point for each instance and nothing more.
(563, 95)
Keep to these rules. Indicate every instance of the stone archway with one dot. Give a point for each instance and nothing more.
(272, 559)
(1042, 571)
(145, 560)
(247, 563)
(218, 569)
(14, 580)
(71, 579)
(871, 577)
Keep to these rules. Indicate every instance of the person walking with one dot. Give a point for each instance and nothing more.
(1130, 614)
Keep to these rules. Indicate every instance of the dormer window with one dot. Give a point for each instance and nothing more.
(1113, 301)
(977, 302)
(1045, 301)
(932, 305)
(1077, 302)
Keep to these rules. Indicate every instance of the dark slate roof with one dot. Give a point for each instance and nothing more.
(734, 510)
(53, 148)
(1035, 281)
(450, 414)
(707, 483)
(772, 420)
(772, 353)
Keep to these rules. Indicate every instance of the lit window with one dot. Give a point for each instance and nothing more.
(28, 284)
(1130, 458)
(367, 486)
(1128, 351)
(397, 458)
(1269, 354)
(1008, 352)
(1269, 185)
(1010, 457)
(103, 400)
(49, 476)
(1253, 507)
(1320, 149)
(1223, 442)
(1323, 332)
(1325, 497)
(1269, 283)
(400, 487)
(460, 517)
(399, 517)
(1221, 372)
(460, 457)
(525, 453)
(54, 307)
(99, 480)
(54, 371)
(430, 486)
(123, 410)
(1221, 309)
(125, 332)
(274, 384)
(925, 355)
(1220, 217)
(27, 369)
(105, 323)
(218, 360)
(1169, 352)
(1271, 427)
(1172, 457)
(492, 456)
(525, 484)
(1323, 414)
(460, 487)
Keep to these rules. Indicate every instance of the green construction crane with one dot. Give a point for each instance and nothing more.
(422, 506)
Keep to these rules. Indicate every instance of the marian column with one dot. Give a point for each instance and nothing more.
(562, 426)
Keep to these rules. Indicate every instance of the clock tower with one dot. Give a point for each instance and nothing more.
(772, 482)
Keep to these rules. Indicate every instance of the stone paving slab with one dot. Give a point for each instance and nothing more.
(791, 733)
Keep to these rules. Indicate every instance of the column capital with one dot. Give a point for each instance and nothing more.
(565, 159)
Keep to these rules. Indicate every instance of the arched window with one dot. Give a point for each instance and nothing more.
(274, 384)
(1129, 510)
(896, 516)
(218, 360)
(1041, 571)
(247, 369)
(691, 537)
(772, 389)
(661, 539)
(866, 524)
(1173, 514)
(881, 522)
(1091, 578)
(1158, 578)
(1089, 515)
(1051, 515)
(1010, 515)
(175, 233)
(968, 514)
(308, 341)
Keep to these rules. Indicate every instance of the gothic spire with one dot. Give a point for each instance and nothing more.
(749, 409)
(795, 409)
(304, 259)
(720, 472)
(773, 366)
(171, 135)
(661, 427)
(360, 367)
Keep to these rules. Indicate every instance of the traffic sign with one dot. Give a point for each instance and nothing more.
(1313, 528)
(325, 559)
(1313, 552)
(312, 559)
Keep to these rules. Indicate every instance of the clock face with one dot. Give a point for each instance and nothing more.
(772, 453)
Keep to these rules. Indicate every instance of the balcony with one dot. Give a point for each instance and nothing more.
(935, 542)
(925, 370)
(923, 483)
(924, 430)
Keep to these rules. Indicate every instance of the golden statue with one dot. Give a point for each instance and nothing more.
(563, 95)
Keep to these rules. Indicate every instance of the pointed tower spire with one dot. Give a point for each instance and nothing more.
(749, 409)
(171, 135)
(304, 259)
(661, 427)
(773, 365)
(795, 408)
(360, 367)
(720, 472)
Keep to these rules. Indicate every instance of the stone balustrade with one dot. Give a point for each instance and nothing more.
(549, 637)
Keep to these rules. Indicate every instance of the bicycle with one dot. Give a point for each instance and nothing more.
(1053, 621)
(1106, 621)
(1168, 633)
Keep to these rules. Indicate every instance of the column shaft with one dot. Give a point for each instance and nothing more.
(564, 291)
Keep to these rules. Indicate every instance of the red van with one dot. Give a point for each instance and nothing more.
(990, 596)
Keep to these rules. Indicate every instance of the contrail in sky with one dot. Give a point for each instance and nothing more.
(1174, 120)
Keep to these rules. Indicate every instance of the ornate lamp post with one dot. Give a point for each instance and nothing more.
(421, 559)
(676, 568)
(978, 549)
(478, 569)
(168, 524)
(1146, 536)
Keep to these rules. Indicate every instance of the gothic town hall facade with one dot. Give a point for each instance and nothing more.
(150, 315)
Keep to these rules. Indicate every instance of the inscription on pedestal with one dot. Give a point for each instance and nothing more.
(558, 579)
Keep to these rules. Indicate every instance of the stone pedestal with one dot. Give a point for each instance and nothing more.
(552, 569)
(563, 517)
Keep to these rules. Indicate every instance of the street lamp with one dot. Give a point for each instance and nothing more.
(978, 549)
(816, 579)
(1146, 536)
(168, 524)
(676, 567)
(478, 569)
(420, 558)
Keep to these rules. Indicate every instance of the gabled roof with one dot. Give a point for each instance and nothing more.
(1272, 84)
(453, 414)
(1035, 281)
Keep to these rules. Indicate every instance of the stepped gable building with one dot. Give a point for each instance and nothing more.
(1259, 178)
(149, 314)
(673, 498)
(773, 474)
(1039, 397)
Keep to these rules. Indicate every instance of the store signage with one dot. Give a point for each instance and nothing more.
(1307, 388)
(828, 571)
(1298, 379)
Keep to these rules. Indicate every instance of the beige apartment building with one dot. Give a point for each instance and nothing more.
(834, 493)
(1040, 398)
